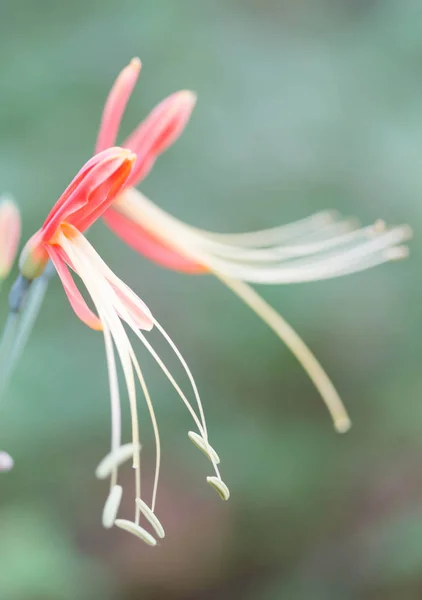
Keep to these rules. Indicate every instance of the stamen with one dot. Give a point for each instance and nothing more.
(103, 296)
(200, 443)
(221, 488)
(114, 459)
(116, 419)
(111, 506)
(151, 517)
(140, 532)
(154, 427)
(297, 346)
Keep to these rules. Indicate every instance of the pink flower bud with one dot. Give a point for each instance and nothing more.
(10, 230)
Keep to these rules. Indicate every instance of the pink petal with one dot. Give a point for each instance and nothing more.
(149, 246)
(10, 231)
(91, 191)
(158, 131)
(115, 105)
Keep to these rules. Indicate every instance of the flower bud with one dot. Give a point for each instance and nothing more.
(10, 230)
(33, 258)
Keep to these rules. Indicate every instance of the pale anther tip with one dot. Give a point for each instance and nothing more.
(151, 517)
(220, 487)
(200, 443)
(379, 226)
(343, 425)
(137, 530)
(407, 232)
(111, 507)
(397, 253)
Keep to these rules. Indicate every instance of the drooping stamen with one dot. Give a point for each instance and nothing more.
(140, 532)
(103, 296)
(114, 459)
(151, 517)
(111, 506)
(219, 485)
(154, 427)
(200, 443)
(296, 346)
(116, 419)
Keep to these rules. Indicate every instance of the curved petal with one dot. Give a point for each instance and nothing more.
(96, 184)
(74, 296)
(115, 105)
(149, 246)
(158, 131)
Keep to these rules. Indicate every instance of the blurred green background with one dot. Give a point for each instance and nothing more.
(303, 105)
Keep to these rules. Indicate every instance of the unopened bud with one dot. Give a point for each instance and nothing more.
(10, 231)
(33, 258)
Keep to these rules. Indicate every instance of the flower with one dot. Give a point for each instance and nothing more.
(319, 247)
(10, 231)
(61, 240)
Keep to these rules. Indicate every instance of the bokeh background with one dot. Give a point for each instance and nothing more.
(303, 105)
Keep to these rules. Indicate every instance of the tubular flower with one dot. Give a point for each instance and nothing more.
(61, 240)
(322, 246)
(10, 231)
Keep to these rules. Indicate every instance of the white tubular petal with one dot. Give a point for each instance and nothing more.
(220, 487)
(320, 266)
(206, 449)
(137, 530)
(115, 459)
(222, 253)
(339, 234)
(111, 506)
(139, 208)
(277, 235)
(151, 517)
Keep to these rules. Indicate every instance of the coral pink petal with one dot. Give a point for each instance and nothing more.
(158, 131)
(10, 231)
(74, 296)
(106, 172)
(115, 105)
(148, 245)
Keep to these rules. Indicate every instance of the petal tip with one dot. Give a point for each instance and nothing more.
(135, 64)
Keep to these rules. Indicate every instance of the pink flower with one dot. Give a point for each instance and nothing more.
(61, 240)
(322, 246)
